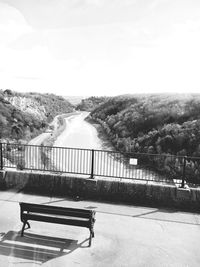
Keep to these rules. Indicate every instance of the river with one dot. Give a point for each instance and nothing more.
(79, 133)
(82, 136)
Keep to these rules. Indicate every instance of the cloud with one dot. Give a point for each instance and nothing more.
(12, 24)
(157, 50)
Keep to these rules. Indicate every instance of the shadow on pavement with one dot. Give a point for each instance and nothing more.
(37, 247)
(156, 216)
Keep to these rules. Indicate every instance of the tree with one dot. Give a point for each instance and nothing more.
(17, 131)
(3, 123)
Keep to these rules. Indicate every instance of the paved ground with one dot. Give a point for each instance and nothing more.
(124, 236)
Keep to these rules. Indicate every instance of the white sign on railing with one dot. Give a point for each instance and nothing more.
(133, 161)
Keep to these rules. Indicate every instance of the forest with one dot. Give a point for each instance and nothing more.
(153, 124)
(16, 124)
(90, 103)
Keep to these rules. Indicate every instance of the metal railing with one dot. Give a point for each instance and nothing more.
(93, 163)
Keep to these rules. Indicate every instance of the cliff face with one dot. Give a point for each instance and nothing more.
(28, 105)
(25, 115)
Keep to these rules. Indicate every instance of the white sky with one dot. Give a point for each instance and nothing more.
(100, 47)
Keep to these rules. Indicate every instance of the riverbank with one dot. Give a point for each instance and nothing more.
(59, 126)
(106, 143)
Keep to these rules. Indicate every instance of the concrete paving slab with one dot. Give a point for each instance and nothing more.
(124, 236)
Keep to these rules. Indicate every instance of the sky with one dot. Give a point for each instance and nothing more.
(100, 47)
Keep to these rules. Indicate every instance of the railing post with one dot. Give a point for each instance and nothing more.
(183, 175)
(1, 160)
(92, 165)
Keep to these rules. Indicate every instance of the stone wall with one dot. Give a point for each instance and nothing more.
(102, 189)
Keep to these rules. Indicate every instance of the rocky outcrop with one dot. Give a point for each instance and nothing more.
(28, 105)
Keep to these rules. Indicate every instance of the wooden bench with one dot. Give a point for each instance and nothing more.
(59, 215)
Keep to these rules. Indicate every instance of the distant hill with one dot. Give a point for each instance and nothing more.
(91, 103)
(24, 115)
(74, 100)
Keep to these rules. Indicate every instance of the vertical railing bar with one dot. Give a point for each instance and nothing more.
(63, 151)
(77, 165)
(66, 160)
(1, 151)
(183, 175)
(60, 166)
(122, 166)
(38, 161)
(60, 160)
(77, 161)
(87, 161)
(74, 154)
(98, 162)
(115, 164)
(63, 160)
(113, 169)
(37, 157)
(55, 160)
(106, 163)
(70, 159)
(102, 163)
(119, 166)
(83, 161)
(74, 161)
(92, 164)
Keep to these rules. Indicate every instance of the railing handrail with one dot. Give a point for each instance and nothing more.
(97, 162)
(104, 150)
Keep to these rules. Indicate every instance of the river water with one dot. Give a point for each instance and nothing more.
(79, 133)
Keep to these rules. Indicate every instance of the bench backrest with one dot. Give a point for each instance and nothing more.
(55, 210)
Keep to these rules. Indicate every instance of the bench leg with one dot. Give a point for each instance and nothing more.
(22, 232)
(90, 240)
(28, 225)
(91, 236)
(92, 232)
(23, 228)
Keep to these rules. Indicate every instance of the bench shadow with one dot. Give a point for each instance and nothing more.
(37, 247)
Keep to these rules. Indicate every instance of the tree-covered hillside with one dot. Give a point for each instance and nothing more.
(23, 116)
(89, 104)
(152, 123)
(53, 104)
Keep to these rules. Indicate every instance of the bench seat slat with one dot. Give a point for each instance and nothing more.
(66, 221)
(28, 214)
